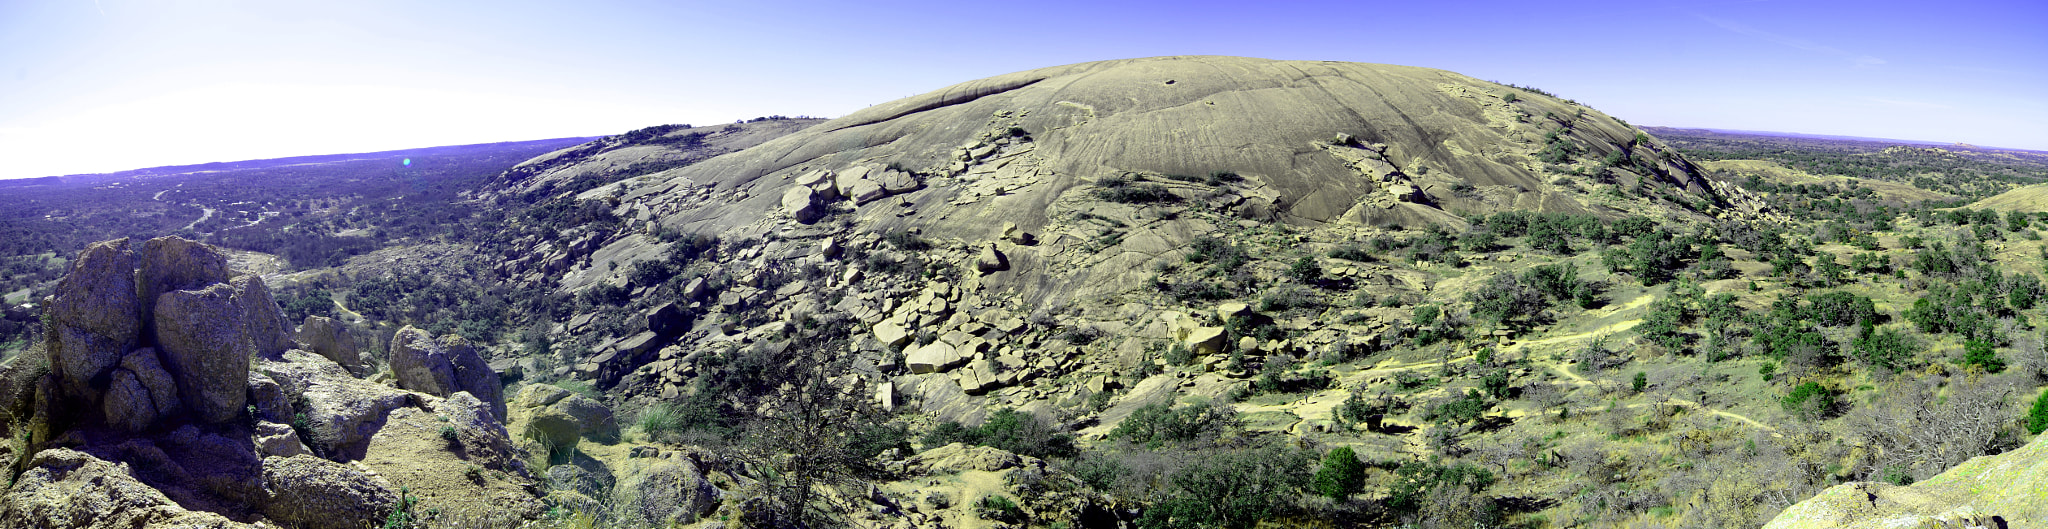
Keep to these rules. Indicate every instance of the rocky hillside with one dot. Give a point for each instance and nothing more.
(991, 218)
(173, 393)
(2005, 490)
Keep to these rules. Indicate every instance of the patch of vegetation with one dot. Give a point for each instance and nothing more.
(1007, 429)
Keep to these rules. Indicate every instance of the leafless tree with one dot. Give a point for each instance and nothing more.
(1911, 427)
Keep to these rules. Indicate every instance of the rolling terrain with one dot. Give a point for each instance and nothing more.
(1165, 292)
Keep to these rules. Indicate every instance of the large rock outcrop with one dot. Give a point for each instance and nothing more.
(443, 367)
(207, 344)
(95, 317)
(662, 492)
(65, 488)
(331, 339)
(342, 411)
(196, 328)
(171, 264)
(559, 418)
(2004, 490)
(314, 493)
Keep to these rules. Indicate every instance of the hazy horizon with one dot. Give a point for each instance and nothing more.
(113, 85)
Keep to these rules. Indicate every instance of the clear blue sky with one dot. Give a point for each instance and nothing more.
(106, 85)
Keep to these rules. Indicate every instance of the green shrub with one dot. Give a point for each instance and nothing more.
(1007, 429)
(2037, 416)
(1234, 489)
(1979, 353)
(659, 422)
(1159, 423)
(1415, 480)
(1341, 474)
(1351, 252)
(1809, 401)
(1306, 269)
(1462, 409)
(998, 508)
(1641, 382)
(1123, 190)
(903, 240)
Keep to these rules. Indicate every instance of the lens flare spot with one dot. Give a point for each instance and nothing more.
(408, 162)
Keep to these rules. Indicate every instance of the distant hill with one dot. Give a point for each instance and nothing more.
(215, 167)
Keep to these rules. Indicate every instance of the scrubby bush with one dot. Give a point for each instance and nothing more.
(1341, 474)
(1234, 489)
(1157, 424)
(2037, 416)
(1007, 429)
(998, 508)
(1809, 401)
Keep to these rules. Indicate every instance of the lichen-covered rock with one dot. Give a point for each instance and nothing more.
(147, 369)
(483, 437)
(171, 264)
(65, 488)
(473, 374)
(2011, 487)
(95, 316)
(330, 338)
(803, 204)
(342, 411)
(267, 327)
(558, 418)
(443, 367)
(207, 345)
(314, 493)
(662, 492)
(126, 403)
(277, 440)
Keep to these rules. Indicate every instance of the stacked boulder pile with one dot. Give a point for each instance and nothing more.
(172, 392)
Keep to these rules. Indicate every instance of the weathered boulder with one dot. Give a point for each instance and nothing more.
(559, 418)
(278, 440)
(891, 333)
(267, 327)
(342, 411)
(268, 398)
(126, 403)
(979, 377)
(148, 370)
(1206, 340)
(170, 264)
(848, 178)
(330, 338)
(666, 320)
(991, 260)
(206, 348)
(64, 488)
(420, 364)
(865, 191)
(932, 358)
(483, 437)
(473, 374)
(804, 204)
(443, 367)
(895, 181)
(314, 493)
(95, 317)
(662, 492)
